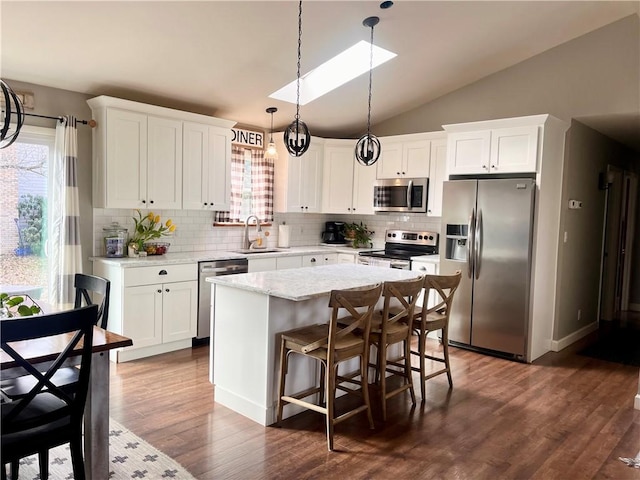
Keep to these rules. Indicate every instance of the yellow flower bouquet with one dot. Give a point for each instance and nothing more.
(150, 227)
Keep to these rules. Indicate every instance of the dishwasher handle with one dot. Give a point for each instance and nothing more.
(225, 269)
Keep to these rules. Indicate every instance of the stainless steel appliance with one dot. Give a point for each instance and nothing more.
(488, 226)
(401, 195)
(213, 268)
(399, 247)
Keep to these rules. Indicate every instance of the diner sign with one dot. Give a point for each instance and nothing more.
(247, 138)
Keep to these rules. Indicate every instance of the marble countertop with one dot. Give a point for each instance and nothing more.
(310, 282)
(209, 255)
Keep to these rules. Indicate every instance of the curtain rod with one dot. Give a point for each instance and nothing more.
(92, 123)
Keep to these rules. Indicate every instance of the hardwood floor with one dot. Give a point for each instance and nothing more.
(566, 416)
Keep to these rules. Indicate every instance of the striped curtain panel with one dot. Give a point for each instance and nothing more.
(65, 251)
(245, 162)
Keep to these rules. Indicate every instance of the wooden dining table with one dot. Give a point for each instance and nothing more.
(96, 417)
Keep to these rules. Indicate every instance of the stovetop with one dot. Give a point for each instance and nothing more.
(404, 244)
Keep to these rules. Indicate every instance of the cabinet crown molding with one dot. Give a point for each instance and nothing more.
(104, 101)
(544, 119)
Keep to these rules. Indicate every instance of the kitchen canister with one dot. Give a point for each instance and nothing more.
(283, 236)
(115, 240)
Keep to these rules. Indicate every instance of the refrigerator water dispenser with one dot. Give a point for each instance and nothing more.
(456, 243)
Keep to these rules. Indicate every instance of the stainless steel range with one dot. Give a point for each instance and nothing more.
(399, 247)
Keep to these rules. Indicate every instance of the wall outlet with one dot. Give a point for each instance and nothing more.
(575, 204)
(579, 314)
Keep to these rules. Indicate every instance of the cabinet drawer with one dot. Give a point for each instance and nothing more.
(160, 274)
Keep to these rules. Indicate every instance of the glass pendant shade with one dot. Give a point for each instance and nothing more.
(297, 138)
(11, 105)
(271, 153)
(368, 149)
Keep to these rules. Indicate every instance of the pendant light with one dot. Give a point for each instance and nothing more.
(11, 105)
(368, 146)
(271, 153)
(296, 135)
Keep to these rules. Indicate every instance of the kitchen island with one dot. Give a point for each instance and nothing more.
(251, 309)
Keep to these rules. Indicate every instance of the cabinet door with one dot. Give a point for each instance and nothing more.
(311, 179)
(437, 176)
(262, 264)
(283, 263)
(346, 258)
(338, 179)
(164, 166)
(143, 315)
(390, 162)
(363, 180)
(312, 260)
(195, 153)
(425, 268)
(179, 309)
(468, 152)
(126, 159)
(330, 258)
(514, 150)
(415, 158)
(219, 169)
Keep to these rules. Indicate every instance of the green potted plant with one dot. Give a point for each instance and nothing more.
(358, 234)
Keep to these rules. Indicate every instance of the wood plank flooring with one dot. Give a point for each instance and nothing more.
(564, 417)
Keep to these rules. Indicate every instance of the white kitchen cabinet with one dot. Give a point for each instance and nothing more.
(404, 156)
(437, 176)
(347, 185)
(319, 259)
(155, 306)
(138, 155)
(282, 263)
(207, 167)
(347, 257)
(496, 150)
(261, 264)
(298, 180)
(426, 268)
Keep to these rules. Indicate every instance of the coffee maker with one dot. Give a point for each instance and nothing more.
(333, 233)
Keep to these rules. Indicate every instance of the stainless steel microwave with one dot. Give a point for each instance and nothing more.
(401, 195)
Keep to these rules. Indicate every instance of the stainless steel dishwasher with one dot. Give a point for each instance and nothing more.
(213, 269)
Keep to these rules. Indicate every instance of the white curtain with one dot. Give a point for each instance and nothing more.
(65, 251)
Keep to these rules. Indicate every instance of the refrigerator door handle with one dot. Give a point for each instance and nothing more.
(478, 245)
(470, 242)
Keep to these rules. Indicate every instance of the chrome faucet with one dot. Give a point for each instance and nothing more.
(246, 244)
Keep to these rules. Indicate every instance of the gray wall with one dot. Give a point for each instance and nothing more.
(55, 102)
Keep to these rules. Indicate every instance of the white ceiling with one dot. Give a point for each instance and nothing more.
(225, 58)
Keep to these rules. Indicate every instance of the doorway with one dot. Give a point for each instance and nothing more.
(617, 252)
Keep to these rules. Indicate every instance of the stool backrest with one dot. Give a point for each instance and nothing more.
(400, 301)
(444, 286)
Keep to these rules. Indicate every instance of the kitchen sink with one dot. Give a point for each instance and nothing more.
(248, 251)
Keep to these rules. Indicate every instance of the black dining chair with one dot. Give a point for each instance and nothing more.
(48, 416)
(85, 285)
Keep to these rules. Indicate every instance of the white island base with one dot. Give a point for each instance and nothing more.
(248, 312)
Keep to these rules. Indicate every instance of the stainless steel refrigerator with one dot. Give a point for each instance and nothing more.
(488, 227)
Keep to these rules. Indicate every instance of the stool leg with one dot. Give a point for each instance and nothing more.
(364, 385)
(407, 368)
(445, 349)
(330, 394)
(382, 367)
(283, 374)
(422, 340)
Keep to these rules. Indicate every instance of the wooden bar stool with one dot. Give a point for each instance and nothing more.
(390, 326)
(332, 344)
(429, 319)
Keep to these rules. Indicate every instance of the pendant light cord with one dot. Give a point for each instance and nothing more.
(299, 50)
(370, 77)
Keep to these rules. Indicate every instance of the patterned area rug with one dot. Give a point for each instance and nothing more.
(131, 457)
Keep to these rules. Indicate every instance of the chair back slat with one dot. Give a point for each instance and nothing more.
(445, 286)
(403, 293)
(72, 398)
(86, 284)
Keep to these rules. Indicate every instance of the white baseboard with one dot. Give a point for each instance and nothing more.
(557, 345)
(635, 307)
(636, 403)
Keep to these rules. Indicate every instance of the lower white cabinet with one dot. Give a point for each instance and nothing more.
(320, 259)
(426, 268)
(347, 257)
(261, 264)
(155, 306)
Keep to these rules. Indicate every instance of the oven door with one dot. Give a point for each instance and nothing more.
(384, 262)
(401, 195)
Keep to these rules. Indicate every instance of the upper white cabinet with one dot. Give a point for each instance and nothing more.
(207, 167)
(437, 176)
(138, 152)
(498, 148)
(404, 156)
(348, 185)
(298, 180)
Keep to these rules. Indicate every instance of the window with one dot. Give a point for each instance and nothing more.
(23, 210)
(251, 187)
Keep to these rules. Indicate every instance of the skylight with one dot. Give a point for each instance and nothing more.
(342, 68)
